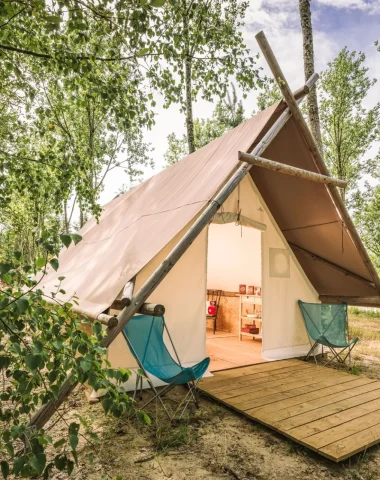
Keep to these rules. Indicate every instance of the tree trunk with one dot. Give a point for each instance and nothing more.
(308, 59)
(65, 218)
(189, 107)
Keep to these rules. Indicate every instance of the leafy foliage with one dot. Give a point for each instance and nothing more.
(348, 128)
(367, 219)
(203, 46)
(271, 94)
(228, 114)
(41, 340)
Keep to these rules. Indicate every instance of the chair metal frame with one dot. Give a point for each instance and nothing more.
(191, 394)
(335, 353)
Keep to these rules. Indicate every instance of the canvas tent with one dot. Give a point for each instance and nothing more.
(157, 234)
(138, 229)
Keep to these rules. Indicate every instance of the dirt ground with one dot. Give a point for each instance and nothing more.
(214, 442)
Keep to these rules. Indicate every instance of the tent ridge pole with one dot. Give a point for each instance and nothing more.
(43, 415)
(316, 154)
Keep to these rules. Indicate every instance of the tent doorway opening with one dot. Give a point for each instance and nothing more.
(234, 324)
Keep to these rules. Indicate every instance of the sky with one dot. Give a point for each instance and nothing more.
(336, 24)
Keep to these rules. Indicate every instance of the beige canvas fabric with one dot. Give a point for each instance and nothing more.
(136, 226)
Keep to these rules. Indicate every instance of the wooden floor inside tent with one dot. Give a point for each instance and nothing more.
(334, 413)
(227, 351)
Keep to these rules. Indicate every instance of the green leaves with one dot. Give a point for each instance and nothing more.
(67, 239)
(73, 435)
(4, 469)
(22, 305)
(157, 3)
(54, 263)
(34, 361)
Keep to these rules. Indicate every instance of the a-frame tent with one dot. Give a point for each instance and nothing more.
(156, 233)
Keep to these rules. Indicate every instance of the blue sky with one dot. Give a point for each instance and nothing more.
(336, 23)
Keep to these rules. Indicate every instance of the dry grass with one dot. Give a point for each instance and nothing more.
(215, 443)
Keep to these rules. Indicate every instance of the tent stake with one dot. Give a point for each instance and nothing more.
(289, 170)
(304, 129)
(43, 415)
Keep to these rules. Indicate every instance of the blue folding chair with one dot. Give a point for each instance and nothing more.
(145, 337)
(327, 325)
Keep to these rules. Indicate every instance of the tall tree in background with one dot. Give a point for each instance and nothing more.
(308, 60)
(348, 128)
(228, 114)
(203, 46)
(270, 94)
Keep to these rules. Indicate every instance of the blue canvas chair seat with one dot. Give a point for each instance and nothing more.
(145, 337)
(327, 325)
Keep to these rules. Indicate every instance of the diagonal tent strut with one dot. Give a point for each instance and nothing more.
(331, 264)
(42, 416)
(308, 137)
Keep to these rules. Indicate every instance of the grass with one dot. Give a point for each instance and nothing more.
(364, 312)
(366, 326)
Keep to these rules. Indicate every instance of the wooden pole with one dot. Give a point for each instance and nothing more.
(289, 170)
(108, 320)
(43, 415)
(127, 295)
(154, 309)
(304, 129)
(355, 301)
(342, 270)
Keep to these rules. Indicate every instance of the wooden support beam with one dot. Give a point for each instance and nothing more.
(108, 320)
(43, 415)
(304, 129)
(354, 301)
(154, 309)
(127, 295)
(289, 170)
(342, 270)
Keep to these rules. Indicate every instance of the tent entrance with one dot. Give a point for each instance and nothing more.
(234, 283)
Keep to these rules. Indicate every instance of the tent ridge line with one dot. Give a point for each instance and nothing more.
(42, 416)
(316, 154)
(331, 264)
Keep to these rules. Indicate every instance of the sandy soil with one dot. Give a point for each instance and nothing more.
(212, 443)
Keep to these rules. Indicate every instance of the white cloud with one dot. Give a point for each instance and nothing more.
(371, 6)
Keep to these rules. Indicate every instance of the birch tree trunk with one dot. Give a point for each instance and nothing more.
(308, 60)
(189, 107)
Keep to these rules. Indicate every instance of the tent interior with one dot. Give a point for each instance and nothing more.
(234, 307)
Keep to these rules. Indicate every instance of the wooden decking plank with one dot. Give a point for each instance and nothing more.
(331, 412)
(355, 388)
(356, 404)
(284, 385)
(247, 380)
(346, 447)
(319, 393)
(269, 382)
(251, 404)
(347, 419)
(243, 371)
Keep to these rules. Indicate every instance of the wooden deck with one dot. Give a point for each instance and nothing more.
(331, 412)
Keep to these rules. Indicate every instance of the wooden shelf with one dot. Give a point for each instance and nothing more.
(254, 335)
(252, 318)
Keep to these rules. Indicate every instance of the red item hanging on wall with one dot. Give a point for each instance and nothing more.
(211, 309)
